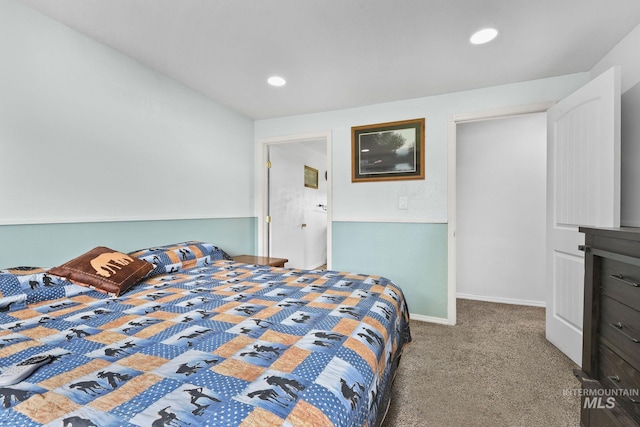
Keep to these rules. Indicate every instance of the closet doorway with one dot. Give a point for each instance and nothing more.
(452, 177)
(297, 201)
(501, 209)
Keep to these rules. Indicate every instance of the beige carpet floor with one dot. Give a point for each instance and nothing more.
(494, 368)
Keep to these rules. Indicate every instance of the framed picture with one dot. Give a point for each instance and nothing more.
(310, 177)
(388, 151)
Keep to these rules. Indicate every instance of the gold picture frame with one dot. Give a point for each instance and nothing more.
(388, 151)
(310, 177)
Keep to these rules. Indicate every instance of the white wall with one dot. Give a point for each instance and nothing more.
(378, 201)
(626, 55)
(630, 153)
(88, 134)
(501, 199)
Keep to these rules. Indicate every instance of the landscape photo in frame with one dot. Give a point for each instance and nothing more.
(388, 151)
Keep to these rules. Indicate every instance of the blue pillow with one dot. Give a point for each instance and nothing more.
(180, 256)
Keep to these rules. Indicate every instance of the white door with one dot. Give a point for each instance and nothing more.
(583, 189)
(287, 236)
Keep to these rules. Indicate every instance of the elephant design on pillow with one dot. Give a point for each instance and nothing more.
(108, 264)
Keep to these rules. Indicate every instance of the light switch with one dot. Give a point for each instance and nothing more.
(402, 203)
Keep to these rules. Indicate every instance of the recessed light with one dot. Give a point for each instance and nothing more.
(484, 36)
(276, 81)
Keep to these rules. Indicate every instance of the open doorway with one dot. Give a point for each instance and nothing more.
(452, 247)
(501, 208)
(296, 200)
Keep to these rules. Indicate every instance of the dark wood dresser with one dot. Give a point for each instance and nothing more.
(611, 334)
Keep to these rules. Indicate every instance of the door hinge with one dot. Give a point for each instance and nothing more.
(268, 219)
(268, 164)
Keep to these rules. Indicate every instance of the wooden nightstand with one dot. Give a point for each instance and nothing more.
(261, 260)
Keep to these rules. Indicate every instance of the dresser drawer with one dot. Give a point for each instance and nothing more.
(621, 281)
(614, 373)
(602, 418)
(620, 330)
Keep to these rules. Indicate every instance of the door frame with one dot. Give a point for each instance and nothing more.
(453, 121)
(262, 193)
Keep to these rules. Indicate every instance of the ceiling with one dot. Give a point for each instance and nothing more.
(339, 54)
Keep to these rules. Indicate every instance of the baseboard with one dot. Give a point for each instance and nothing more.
(630, 223)
(502, 300)
(430, 319)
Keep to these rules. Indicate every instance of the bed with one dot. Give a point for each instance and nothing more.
(201, 340)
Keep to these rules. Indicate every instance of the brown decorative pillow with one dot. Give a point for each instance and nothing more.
(105, 270)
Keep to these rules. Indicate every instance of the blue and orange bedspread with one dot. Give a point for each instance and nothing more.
(224, 344)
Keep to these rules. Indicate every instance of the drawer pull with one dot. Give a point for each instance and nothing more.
(621, 278)
(618, 327)
(615, 378)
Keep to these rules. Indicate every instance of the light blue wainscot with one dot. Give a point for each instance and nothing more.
(412, 255)
(48, 245)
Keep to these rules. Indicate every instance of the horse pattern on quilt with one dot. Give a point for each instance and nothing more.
(220, 344)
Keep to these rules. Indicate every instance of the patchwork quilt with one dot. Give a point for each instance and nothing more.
(210, 343)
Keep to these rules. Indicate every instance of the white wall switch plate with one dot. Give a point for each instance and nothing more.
(402, 203)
